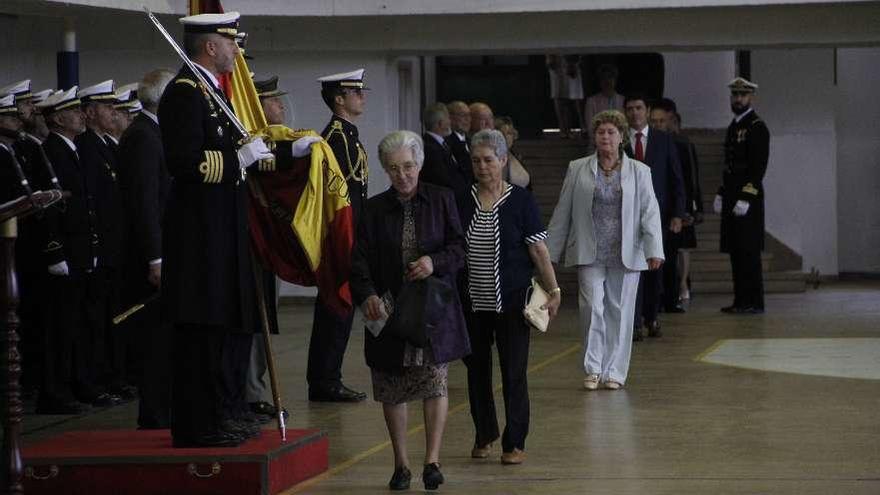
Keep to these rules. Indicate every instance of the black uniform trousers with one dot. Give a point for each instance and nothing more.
(511, 332)
(73, 325)
(154, 385)
(197, 387)
(671, 244)
(649, 296)
(748, 282)
(330, 334)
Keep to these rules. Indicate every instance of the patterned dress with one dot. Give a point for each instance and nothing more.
(419, 378)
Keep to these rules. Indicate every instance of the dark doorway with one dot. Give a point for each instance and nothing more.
(518, 85)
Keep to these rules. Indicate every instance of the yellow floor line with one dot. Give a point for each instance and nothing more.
(387, 443)
(701, 356)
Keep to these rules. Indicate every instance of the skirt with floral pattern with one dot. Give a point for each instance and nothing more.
(410, 383)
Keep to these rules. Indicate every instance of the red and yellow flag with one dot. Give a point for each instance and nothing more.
(300, 218)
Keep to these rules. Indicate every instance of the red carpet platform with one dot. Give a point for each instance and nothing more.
(142, 462)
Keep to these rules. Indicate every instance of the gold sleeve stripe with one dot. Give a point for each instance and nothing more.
(187, 81)
(212, 167)
(750, 189)
(203, 169)
(218, 159)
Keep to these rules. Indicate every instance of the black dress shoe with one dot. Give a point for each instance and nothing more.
(216, 439)
(106, 400)
(750, 310)
(335, 393)
(637, 334)
(678, 308)
(654, 329)
(730, 309)
(125, 391)
(400, 479)
(431, 476)
(53, 405)
(243, 429)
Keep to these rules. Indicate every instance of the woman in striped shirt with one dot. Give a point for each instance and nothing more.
(505, 244)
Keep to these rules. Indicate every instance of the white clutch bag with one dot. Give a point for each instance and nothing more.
(536, 297)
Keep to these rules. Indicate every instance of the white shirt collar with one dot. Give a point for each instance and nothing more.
(739, 117)
(461, 136)
(151, 115)
(211, 77)
(4, 146)
(632, 132)
(437, 137)
(68, 141)
(115, 141)
(34, 138)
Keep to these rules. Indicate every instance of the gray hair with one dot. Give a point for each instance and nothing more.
(398, 140)
(152, 86)
(490, 138)
(434, 114)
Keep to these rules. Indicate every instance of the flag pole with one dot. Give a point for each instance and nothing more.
(270, 359)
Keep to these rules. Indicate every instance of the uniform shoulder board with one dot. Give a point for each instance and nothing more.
(186, 81)
(337, 124)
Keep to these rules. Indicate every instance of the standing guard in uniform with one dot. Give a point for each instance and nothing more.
(71, 260)
(96, 152)
(208, 290)
(740, 199)
(344, 95)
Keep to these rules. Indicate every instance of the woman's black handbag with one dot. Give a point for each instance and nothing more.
(419, 305)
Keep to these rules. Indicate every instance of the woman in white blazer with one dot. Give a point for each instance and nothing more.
(607, 223)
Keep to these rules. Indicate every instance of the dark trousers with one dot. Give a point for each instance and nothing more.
(510, 331)
(648, 297)
(32, 289)
(62, 326)
(197, 380)
(671, 243)
(330, 335)
(236, 361)
(748, 281)
(154, 340)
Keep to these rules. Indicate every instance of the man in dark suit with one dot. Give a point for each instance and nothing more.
(656, 149)
(664, 117)
(345, 95)
(144, 182)
(740, 200)
(208, 290)
(441, 167)
(460, 120)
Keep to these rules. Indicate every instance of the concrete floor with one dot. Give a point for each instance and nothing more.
(780, 414)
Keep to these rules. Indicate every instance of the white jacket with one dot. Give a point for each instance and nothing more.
(571, 228)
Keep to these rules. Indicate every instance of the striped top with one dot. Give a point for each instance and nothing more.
(483, 238)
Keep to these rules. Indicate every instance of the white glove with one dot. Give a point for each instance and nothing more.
(59, 269)
(740, 208)
(716, 205)
(94, 262)
(303, 146)
(253, 151)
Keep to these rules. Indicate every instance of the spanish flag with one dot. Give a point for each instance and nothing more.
(300, 217)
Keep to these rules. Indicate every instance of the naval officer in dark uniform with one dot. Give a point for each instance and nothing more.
(740, 199)
(344, 95)
(208, 291)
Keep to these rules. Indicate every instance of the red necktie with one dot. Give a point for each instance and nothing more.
(640, 150)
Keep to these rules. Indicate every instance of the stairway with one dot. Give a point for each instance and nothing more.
(547, 161)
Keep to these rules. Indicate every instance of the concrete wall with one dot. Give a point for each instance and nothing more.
(796, 99)
(858, 158)
(697, 81)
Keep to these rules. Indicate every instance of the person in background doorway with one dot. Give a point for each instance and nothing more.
(566, 89)
(607, 98)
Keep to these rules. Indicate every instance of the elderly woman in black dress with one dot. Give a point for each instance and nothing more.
(409, 233)
(505, 245)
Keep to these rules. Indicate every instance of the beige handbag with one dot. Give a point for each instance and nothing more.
(536, 297)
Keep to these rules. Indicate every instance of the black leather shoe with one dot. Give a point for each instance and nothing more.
(335, 393)
(678, 308)
(59, 406)
(750, 310)
(730, 309)
(241, 428)
(264, 409)
(125, 391)
(216, 439)
(400, 479)
(637, 335)
(431, 476)
(106, 400)
(654, 329)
